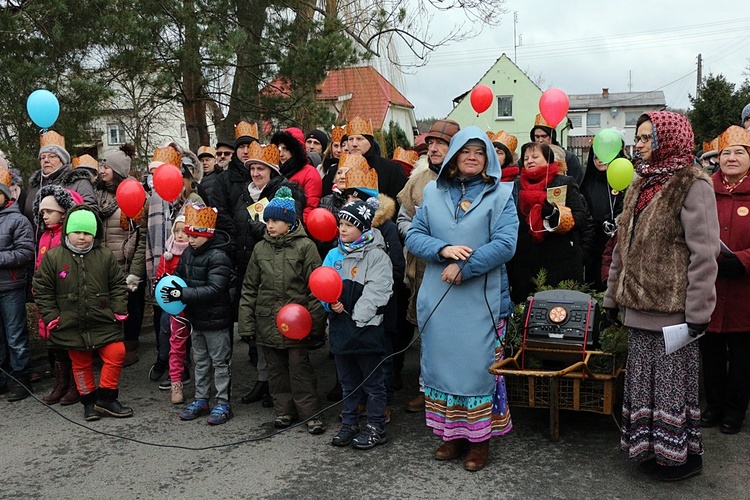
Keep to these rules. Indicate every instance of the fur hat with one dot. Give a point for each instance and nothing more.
(52, 142)
(319, 135)
(281, 207)
(360, 213)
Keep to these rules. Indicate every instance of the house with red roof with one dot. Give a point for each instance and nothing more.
(363, 91)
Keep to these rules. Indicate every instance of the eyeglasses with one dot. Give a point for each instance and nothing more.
(223, 153)
(48, 156)
(644, 138)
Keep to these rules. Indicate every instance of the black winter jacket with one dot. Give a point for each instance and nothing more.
(208, 272)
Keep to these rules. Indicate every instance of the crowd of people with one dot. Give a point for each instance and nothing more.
(446, 236)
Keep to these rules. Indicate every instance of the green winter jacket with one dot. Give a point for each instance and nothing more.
(277, 275)
(84, 291)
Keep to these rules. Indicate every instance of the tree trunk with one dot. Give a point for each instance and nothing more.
(194, 103)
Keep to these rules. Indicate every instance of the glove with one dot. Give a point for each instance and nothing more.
(547, 209)
(51, 326)
(121, 317)
(696, 329)
(611, 314)
(132, 282)
(731, 267)
(171, 293)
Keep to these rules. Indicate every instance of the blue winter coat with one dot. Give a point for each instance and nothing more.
(458, 340)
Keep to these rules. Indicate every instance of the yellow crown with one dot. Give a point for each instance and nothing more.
(51, 138)
(85, 161)
(490, 134)
(734, 136)
(200, 221)
(337, 134)
(266, 154)
(540, 121)
(505, 138)
(244, 129)
(5, 177)
(359, 173)
(169, 155)
(408, 156)
(711, 146)
(358, 126)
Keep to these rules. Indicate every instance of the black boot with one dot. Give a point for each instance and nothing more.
(89, 401)
(259, 392)
(62, 380)
(107, 404)
(21, 389)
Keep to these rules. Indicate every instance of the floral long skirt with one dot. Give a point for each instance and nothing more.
(660, 411)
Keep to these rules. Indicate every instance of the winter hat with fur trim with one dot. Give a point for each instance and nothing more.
(65, 198)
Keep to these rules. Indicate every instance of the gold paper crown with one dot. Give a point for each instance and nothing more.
(337, 134)
(359, 173)
(51, 138)
(266, 154)
(734, 136)
(85, 161)
(509, 140)
(5, 177)
(244, 129)
(711, 146)
(357, 126)
(168, 155)
(408, 156)
(540, 121)
(490, 134)
(200, 221)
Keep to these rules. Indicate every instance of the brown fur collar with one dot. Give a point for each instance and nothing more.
(386, 210)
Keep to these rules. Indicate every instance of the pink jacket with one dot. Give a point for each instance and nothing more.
(51, 237)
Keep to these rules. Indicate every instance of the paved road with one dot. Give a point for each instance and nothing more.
(43, 455)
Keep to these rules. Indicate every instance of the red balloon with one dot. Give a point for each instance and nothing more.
(322, 224)
(326, 284)
(481, 98)
(294, 321)
(130, 197)
(168, 182)
(554, 105)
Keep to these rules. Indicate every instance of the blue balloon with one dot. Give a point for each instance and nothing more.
(173, 308)
(43, 108)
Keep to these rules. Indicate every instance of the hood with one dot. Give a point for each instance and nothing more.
(293, 144)
(99, 226)
(55, 177)
(385, 210)
(11, 207)
(285, 239)
(66, 198)
(549, 130)
(464, 136)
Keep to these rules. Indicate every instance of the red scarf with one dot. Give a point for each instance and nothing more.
(508, 174)
(532, 195)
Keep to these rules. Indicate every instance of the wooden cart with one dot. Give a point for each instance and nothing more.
(574, 387)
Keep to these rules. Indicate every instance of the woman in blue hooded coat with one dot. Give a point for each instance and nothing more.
(466, 231)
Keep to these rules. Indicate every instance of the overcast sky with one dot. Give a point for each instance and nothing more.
(582, 46)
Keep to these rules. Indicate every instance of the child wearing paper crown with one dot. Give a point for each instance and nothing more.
(50, 206)
(207, 270)
(174, 335)
(356, 329)
(83, 300)
(277, 275)
(16, 253)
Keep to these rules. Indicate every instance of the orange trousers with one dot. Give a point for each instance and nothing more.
(83, 368)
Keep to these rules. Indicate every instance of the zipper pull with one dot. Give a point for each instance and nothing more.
(463, 189)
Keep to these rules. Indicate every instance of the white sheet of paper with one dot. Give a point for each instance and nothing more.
(725, 249)
(677, 337)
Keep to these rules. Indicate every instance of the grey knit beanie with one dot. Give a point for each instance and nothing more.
(57, 150)
(745, 114)
(119, 162)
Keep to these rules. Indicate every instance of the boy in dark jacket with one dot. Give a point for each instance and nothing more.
(207, 269)
(356, 328)
(278, 275)
(83, 300)
(16, 253)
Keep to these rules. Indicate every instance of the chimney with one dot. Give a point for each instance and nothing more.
(605, 93)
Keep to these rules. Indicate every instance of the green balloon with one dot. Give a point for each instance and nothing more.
(620, 174)
(607, 144)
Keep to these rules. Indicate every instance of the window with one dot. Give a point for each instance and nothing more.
(505, 106)
(576, 120)
(631, 118)
(594, 120)
(115, 134)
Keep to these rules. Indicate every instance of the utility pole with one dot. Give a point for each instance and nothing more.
(630, 80)
(515, 44)
(699, 83)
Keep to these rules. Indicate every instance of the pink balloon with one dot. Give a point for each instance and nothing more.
(481, 98)
(554, 105)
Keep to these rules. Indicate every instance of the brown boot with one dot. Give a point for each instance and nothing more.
(71, 397)
(416, 405)
(61, 384)
(131, 353)
(477, 457)
(451, 449)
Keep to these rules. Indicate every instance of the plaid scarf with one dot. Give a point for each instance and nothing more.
(671, 150)
(159, 230)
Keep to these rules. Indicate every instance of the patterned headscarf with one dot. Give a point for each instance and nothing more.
(671, 150)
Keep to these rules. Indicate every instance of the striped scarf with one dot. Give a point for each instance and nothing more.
(159, 230)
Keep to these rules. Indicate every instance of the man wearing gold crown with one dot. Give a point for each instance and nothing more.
(56, 168)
